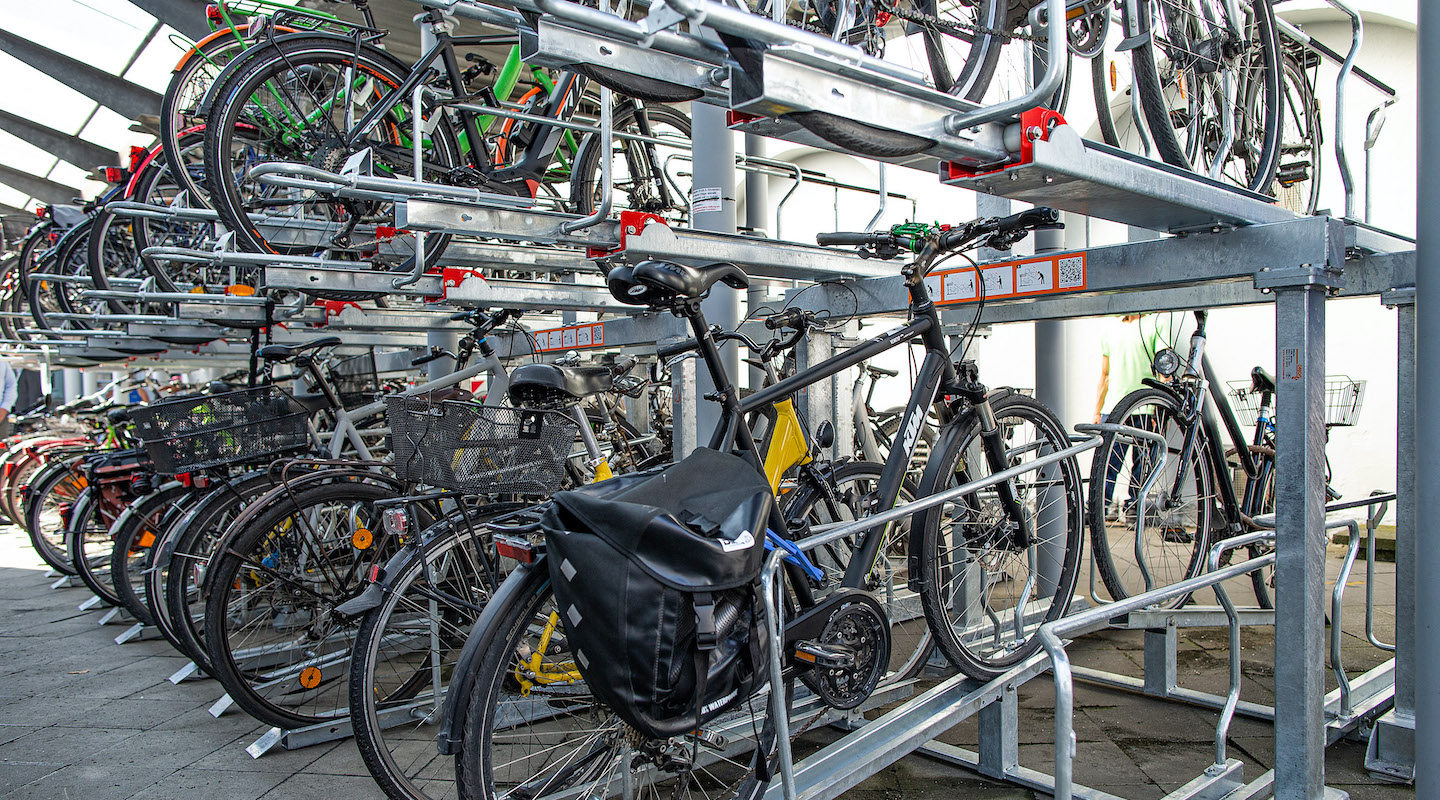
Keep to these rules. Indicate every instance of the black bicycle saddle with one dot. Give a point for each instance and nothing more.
(540, 380)
(686, 282)
(285, 352)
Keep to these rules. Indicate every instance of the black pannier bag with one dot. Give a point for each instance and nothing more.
(656, 582)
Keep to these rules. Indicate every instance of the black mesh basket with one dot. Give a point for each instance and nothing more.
(205, 431)
(355, 380)
(479, 449)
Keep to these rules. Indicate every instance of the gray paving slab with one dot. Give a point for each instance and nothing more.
(83, 718)
(212, 784)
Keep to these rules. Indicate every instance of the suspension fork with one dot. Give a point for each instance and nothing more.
(993, 444)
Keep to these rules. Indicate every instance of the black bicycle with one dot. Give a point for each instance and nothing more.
(1201, 491)
(990, 566)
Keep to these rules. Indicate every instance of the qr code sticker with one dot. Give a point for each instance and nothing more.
(1072, 272)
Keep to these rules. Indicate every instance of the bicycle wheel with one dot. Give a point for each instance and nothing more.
(111, 252)
(1201, 84)
(1178, 504)
(182, 567)
(87, 538)
(294, 106)
(136, 532)
(984, 594)
(548, 736)
(273, 638)
(162, 185)
(180, 108)
(406, 650)
(54, 494)
(644, 175)
(842, 499)
(1117, 112)
(1302, 137)
(1261, 501)
(47, 297)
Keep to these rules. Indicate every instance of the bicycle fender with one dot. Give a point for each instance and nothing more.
(517, 586)
(378, 584)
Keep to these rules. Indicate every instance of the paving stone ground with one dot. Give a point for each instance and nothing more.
(82, 717)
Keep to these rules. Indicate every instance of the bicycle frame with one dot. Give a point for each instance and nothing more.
(935, 372)
(346, 431)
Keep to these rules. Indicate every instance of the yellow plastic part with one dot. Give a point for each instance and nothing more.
(602, 472)
(788, 445)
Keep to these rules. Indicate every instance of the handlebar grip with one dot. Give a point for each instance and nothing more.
(427, 358)
(460, 315)
(669, 351)
(789, 318)
(1039, 217)
(843, 238)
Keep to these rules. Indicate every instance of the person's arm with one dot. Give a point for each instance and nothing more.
(1102, 390)
(9, 390)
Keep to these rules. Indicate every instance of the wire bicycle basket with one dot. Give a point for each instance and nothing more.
(355, 380)
(1343, 400)
(479, 449)
(204, 431)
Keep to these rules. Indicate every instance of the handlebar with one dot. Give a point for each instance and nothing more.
(997, 232)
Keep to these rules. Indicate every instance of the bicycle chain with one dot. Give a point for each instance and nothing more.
(960, 29)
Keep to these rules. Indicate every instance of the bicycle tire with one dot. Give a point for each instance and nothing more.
(443, 578)
(1309, 137)
(88, 542)
(137, 530)
(911, 641)
(585, 178)
(67, 258)
(491, 696)
(289, 685)
(958, 457)
(1180, 559)
(1156, 106)
(43, 518)
(180, 107)
(303, 58)
(183, 567)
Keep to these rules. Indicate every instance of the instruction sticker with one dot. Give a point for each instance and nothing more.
(706, 199)
(569, 337)
(1291, 368)
(1020, 278)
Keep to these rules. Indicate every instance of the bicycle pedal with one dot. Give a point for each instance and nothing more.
(825, 656)
(710, 739)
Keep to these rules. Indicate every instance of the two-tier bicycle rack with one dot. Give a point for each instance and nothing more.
(1230, 247)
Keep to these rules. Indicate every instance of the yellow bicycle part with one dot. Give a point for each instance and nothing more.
(535, 667)
(786, 445)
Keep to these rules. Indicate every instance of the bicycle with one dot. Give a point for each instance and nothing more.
(1192, 501)
(507, 742)
(300, 93)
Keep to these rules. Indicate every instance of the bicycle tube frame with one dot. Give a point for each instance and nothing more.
(934, 371)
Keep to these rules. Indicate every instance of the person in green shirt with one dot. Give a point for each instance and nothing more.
(1127, 350)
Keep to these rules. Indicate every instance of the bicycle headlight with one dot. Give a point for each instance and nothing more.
(1167, 362)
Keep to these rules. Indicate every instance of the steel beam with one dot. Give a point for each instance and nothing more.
(186, 16)
(42, 189)
(129, 100)
(1300, 542)
(1427, 426)
(80, 152)
(1391, 750)
(1176, 272)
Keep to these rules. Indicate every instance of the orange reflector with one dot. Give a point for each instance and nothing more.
(1114, 77)
(240, 290)
(362, 538)
(310, 677)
